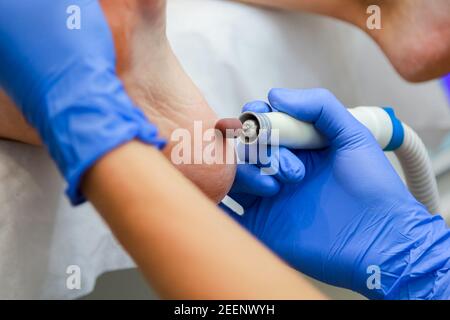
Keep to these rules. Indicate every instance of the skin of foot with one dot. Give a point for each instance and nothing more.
(415, 34)
(156, 82)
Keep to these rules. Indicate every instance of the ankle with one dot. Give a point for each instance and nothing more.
(414, 37)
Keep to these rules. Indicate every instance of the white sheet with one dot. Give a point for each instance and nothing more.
(235, 53)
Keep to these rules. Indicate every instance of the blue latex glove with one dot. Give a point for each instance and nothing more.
(351, 216)
(286, 166)
(64, 82)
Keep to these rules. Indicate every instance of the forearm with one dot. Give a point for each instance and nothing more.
(182, 243)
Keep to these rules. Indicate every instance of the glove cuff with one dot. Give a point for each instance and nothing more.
(427, 274)
(411, 254)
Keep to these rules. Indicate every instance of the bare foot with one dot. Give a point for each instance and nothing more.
(155, 81)
(416, 37)
(415, 34)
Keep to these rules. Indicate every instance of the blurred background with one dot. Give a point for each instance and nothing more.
(235, 53)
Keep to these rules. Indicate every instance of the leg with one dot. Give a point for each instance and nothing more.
(415, 34)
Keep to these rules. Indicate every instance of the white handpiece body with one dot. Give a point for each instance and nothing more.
(296, 134)
(282, 129)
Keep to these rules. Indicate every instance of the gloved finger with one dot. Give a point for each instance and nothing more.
(286, 166)
(257, 106)
(278, 162)
(311, 159)
(320, 107)
(289, 169)
(250, 181)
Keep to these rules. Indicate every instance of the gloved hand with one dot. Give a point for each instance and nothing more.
(286, 166)
(64, 82)
(351, 221)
